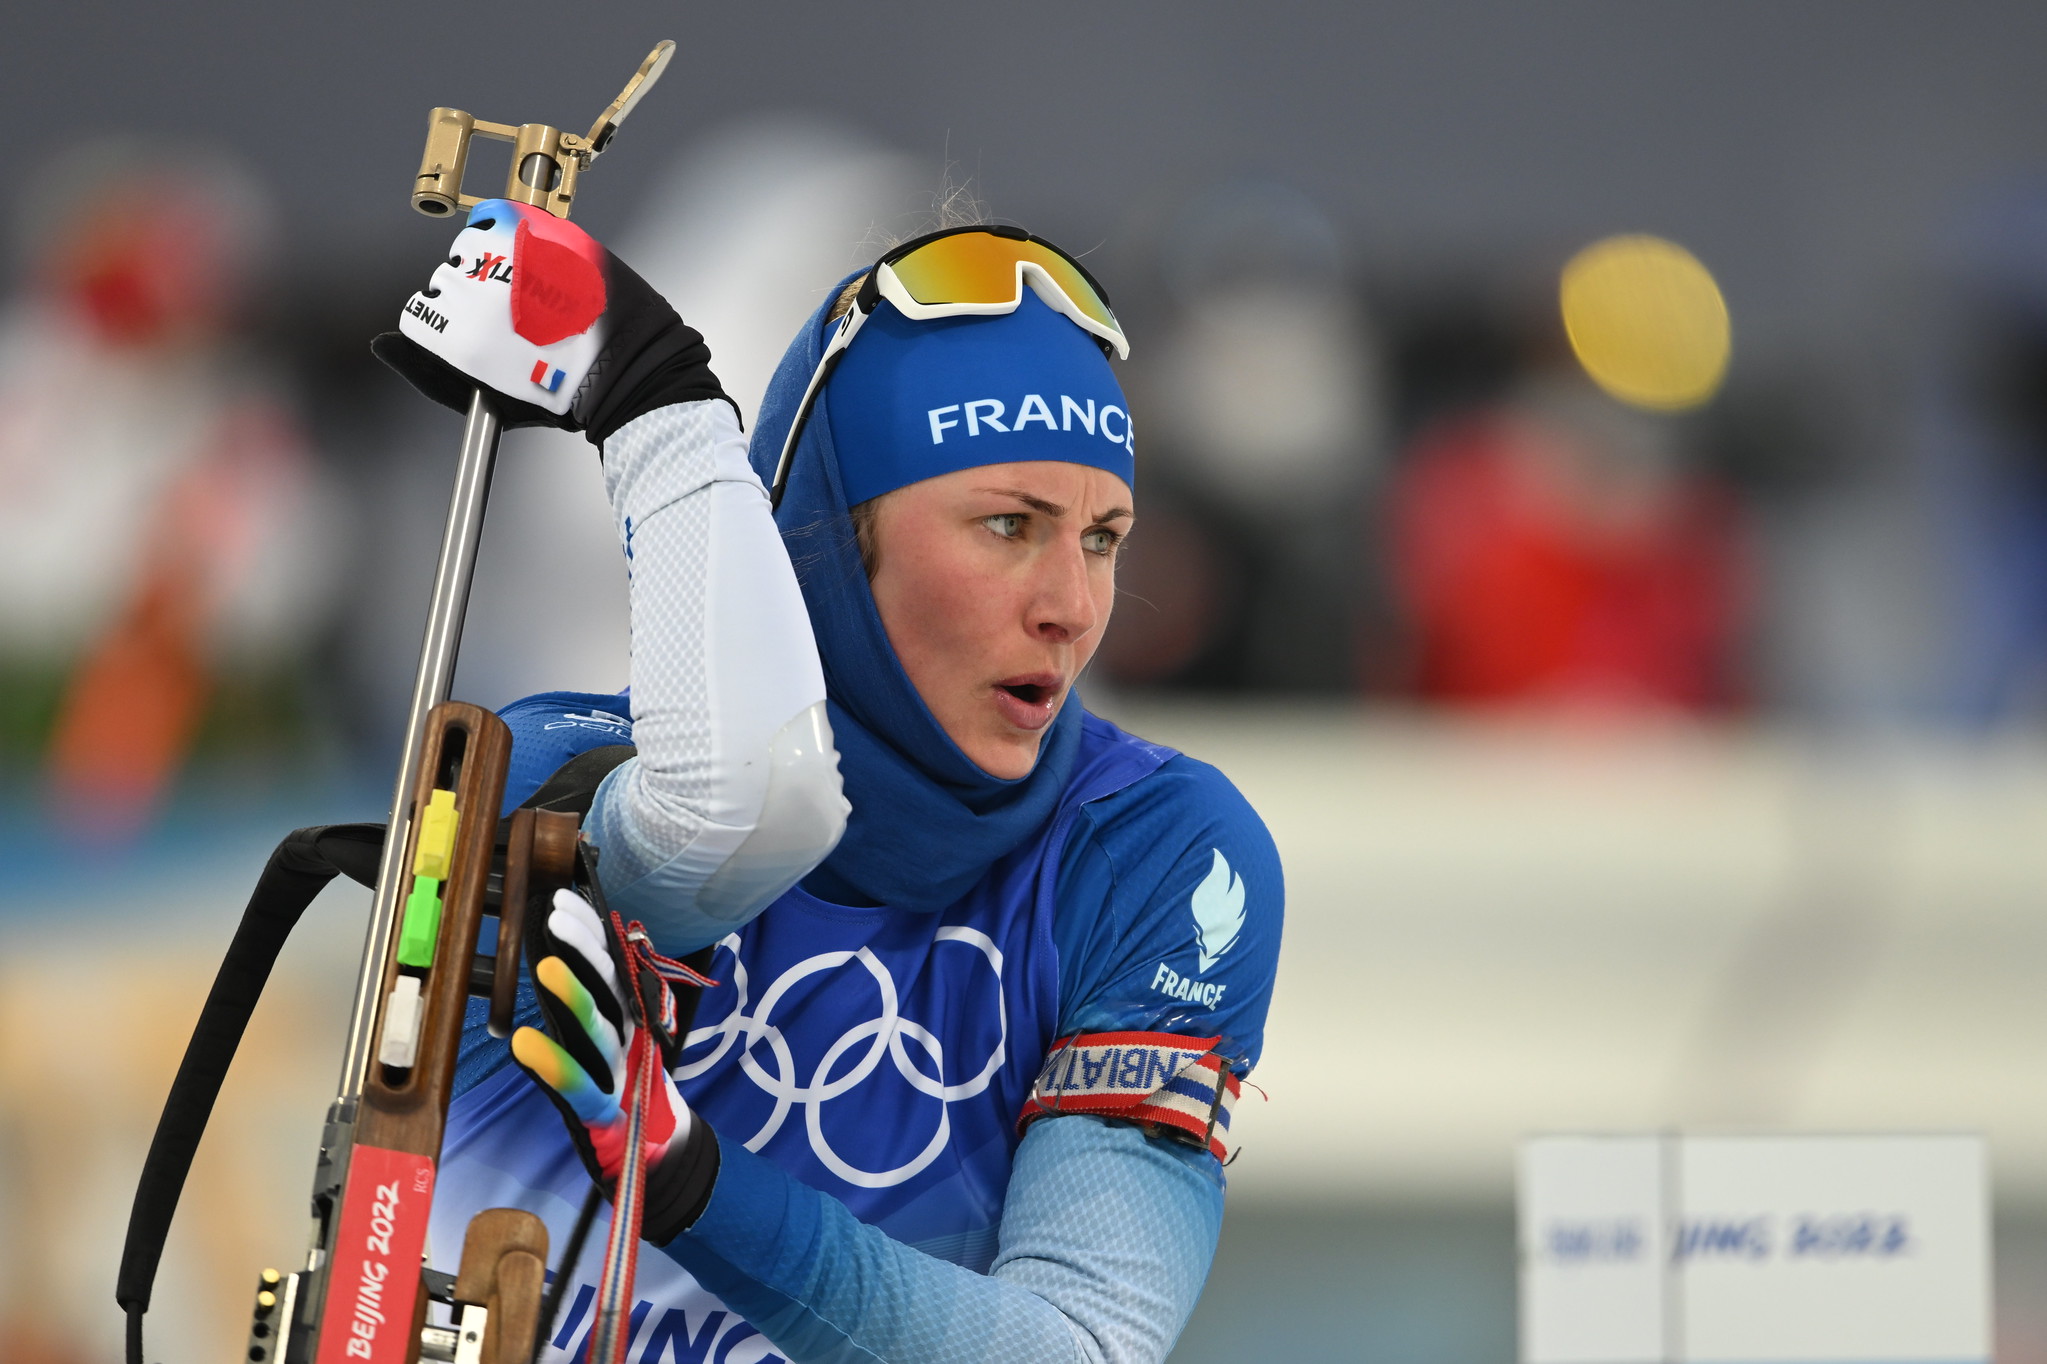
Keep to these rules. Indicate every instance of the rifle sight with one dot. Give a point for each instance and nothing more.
(545, 161)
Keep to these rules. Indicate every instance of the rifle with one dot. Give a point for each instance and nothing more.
(441, 864)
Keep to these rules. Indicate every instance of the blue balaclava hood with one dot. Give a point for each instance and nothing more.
(927, 823)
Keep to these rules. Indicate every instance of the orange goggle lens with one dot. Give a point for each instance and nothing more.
(980, 268)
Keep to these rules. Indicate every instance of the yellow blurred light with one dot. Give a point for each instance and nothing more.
(1647, 321)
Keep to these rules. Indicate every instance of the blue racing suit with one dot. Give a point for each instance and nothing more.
(864, 1069)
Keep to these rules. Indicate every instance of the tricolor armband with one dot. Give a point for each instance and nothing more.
(1153, 1078)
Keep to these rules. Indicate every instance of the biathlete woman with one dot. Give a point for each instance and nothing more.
(988, 968)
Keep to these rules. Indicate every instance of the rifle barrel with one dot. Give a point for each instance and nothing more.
(430, 687)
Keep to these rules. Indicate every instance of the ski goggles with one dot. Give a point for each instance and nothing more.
(961, 272)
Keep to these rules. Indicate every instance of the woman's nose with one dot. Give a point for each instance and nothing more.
(1063, 606)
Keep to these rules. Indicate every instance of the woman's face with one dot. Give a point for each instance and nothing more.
(994, 585)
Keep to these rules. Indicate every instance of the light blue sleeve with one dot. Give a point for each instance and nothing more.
(1105, 1243)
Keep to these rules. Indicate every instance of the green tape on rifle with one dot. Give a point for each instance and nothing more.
(421, 928)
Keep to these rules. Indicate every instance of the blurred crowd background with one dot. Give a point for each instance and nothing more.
(1648, 699)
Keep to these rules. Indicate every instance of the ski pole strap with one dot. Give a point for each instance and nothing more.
(657, 1043)
(622, 1248)
(300, 867)
(1180, 1086)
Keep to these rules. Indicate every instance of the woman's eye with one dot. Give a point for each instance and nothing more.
(1008, 525)
(1100, 541)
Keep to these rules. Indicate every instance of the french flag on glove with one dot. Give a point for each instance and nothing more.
(1159, 1078)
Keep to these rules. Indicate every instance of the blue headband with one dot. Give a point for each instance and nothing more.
(912, 400)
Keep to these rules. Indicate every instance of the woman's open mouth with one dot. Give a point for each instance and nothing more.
(1028, 702)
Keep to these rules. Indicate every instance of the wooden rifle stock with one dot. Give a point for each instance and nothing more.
(374, 1300)
(362, 1296)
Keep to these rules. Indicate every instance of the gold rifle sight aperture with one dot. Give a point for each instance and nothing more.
(545, 160)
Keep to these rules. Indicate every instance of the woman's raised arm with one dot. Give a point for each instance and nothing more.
(734, 795)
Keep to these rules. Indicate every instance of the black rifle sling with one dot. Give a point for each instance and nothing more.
(573, 786)
(297, 871)
(300, 868)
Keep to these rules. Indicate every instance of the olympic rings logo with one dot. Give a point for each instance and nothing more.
(887, 1035)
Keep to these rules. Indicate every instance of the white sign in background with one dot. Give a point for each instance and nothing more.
(1754, 1250)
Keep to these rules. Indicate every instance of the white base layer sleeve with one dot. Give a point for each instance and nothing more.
(734, 795)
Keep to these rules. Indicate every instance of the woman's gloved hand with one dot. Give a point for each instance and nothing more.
(536, 310)
(590, 1061)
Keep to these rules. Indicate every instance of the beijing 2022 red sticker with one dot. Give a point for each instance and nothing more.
(374, 1283)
